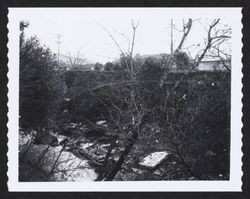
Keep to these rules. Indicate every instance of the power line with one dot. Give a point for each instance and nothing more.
(58, 41)
(171, 47)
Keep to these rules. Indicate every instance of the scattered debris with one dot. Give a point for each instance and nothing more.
(210, 154)
(193, 178)
(86, 145)
(135, 170)
(154, 159)
(60, 138)
(157, 172)
(184, 97)
(101, 122)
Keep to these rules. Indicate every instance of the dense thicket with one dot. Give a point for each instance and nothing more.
(191, 112)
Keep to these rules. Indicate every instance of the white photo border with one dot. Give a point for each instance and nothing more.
(233, 184)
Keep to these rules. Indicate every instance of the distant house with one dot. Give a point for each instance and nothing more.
(205, 65)
(213, 65)
(78, 64)
(83, 67)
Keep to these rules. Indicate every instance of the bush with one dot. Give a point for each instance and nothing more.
(195, 116)
(39, 83)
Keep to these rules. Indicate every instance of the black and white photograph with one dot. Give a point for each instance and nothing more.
(125, 95)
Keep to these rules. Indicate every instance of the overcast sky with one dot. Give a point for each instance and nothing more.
(82, 30)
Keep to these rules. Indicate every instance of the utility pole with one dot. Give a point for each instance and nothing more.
(58, 41)
(171, 47)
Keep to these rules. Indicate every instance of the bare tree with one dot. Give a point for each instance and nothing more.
(217, 36)
(77, 61)
(186, 29)
(171, 60)
(213, 42)
(124, 93)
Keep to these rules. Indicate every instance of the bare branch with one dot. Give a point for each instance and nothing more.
(112, 37)
(186, 30)
(212, 39)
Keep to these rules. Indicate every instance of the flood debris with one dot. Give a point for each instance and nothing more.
(154, 159)
(101, 122)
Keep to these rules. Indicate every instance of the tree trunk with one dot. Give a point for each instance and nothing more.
(104, 167)
(132, 136)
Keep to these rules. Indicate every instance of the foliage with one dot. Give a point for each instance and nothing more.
(98, 66)
(182, 61)
(194, 118)
(108, 66)
(39, 83)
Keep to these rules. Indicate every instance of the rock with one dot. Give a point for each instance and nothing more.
(78, 175)
(24, 140)
(86, 145)
(157, 172)
(154, 159)
(43, 137)
(64, 141)
(193, 178)
(210, 154)
(101, 122)
(135, 170)
(60, 138)
(105, 146)
(68, 167)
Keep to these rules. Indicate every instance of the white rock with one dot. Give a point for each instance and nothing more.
(77, 175)
(61, 138)
(68, 167)
(154, 159)
(86, 145)
(157, 172)
(101, 122)
(24, 140)
(135, 170)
